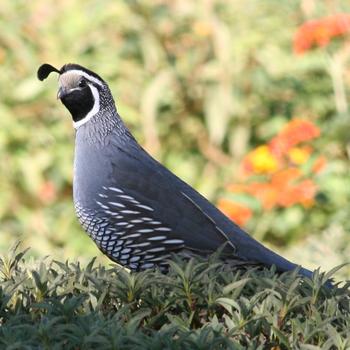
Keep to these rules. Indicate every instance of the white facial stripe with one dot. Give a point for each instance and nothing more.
(95, 108)
(74, 89)
(85, 75)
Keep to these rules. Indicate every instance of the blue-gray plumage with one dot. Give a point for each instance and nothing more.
(137, 211)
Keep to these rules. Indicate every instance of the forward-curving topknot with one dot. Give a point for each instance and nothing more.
(45, 69)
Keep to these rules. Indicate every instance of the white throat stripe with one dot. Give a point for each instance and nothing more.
(85, 75)
(95, 109)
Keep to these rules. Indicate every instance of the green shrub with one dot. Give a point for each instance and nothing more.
(197, 305)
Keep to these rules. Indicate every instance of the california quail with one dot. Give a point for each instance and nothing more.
(137, 212)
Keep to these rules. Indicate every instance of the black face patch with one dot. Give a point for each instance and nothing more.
(79, 102)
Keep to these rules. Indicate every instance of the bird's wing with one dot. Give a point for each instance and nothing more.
(191, 218)
(154, 192)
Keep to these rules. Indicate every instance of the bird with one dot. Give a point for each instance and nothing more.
(137, 211)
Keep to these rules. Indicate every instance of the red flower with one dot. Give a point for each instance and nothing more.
(320, 32)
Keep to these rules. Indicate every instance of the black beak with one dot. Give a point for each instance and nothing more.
(61, 92)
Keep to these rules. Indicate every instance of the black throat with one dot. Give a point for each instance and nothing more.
(79, 103)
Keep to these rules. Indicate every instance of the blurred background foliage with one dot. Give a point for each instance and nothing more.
(203, 85)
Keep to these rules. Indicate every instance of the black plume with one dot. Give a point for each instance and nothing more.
(44, 71)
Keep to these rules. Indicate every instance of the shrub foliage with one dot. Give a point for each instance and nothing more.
(197, 305)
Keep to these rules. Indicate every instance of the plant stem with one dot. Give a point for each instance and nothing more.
(336, 72)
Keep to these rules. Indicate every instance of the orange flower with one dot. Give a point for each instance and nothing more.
(284, 183)
(306, 191)
(319, 164)
(266, 193)
(285, 176)
(287, 189)
(237, 212)
(302, 193)
(261, 161)
(47, 192)
(295, 132)
(320, 32)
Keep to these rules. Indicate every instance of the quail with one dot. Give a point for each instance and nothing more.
(136, 211)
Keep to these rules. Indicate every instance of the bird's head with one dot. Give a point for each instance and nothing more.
(82, 91)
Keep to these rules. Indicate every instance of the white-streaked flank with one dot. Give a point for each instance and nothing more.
(173, 241)
(156, 238)
(156, 249)
(155, 222)
(129, 212)
(162, 229)
(144, 207)
(115, 189)
(117, 204)
(102, 205)
(145, 230)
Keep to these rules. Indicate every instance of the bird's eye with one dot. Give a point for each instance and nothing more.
(82, 83)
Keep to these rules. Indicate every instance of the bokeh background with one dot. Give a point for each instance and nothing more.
(247, 101)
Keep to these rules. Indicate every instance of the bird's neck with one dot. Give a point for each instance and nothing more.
(101, 126)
